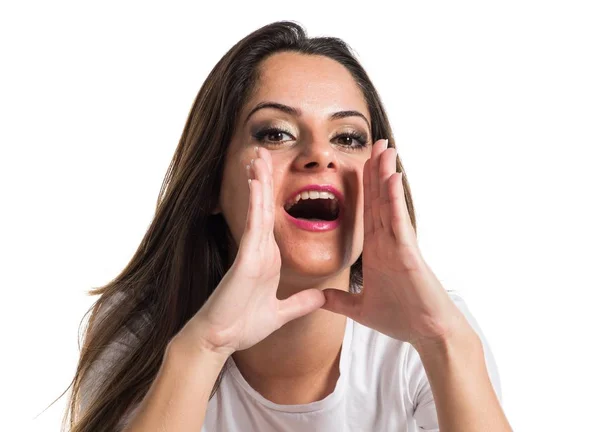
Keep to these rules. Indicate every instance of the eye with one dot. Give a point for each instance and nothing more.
(352, 140)
(349, 137)
(270, 133)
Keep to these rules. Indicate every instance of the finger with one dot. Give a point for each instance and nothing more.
(264, 176)
(368, 208)
(300, 304)
(378, 148)
(250, 241)
(343, 302)
(387, 167)
(266, 156)
(400, 218)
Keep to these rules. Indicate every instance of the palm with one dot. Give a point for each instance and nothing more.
(244, 308)
(385, 266)
(401, 297)
(389, 256)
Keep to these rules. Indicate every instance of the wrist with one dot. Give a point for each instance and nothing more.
(194, 346)
(463, 339)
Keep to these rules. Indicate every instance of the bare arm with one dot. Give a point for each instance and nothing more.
(242, 311)
(178, 397)
(464, 397)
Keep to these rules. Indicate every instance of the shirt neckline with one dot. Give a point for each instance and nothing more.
(323, 404)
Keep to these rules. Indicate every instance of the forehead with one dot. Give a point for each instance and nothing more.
(316, 84)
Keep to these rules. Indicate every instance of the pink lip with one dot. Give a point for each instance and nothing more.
(320, 225)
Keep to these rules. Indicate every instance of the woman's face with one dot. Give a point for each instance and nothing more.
(310, 148)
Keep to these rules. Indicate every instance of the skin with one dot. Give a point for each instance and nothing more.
(299, 363)
(401, 297)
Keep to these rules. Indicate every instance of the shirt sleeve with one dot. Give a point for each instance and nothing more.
(420, 394)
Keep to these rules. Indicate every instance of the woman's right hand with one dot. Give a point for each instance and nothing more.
(244, 309)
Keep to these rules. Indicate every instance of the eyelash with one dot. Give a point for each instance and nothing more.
(361, 138)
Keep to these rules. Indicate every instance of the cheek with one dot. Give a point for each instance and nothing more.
(277, 181)
(355, 184)
(361, 194)
(359, 225)
(360, 202)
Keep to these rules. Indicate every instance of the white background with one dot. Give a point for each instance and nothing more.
(495, 108)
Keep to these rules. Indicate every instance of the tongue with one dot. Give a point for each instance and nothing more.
(314, 210)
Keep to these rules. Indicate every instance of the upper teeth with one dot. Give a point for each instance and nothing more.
(310, 195)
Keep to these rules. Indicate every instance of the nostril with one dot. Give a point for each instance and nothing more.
(316, 164)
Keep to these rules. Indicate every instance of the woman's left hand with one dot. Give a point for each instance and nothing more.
(401, 297)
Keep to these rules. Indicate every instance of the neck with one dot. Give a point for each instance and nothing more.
(305, 350)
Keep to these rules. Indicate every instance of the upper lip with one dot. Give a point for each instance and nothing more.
(321, 188)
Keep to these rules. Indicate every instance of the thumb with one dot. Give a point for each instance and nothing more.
(300, 304)
(342, 302)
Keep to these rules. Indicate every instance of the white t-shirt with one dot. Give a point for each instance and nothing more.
(382, 387)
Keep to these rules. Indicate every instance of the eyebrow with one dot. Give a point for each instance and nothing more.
(296, 112)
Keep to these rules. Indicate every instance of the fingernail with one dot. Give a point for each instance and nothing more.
(252, 162)
(256, 151)
(248, 170)
(386, 143)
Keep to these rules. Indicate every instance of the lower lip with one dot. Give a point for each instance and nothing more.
(317, 226)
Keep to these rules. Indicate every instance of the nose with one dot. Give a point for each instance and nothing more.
(316, 155)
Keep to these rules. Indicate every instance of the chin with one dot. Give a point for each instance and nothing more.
(311, 269)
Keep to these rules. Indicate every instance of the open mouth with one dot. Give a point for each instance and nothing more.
(314, 206)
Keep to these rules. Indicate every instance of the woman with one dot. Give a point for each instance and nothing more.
(280, 285)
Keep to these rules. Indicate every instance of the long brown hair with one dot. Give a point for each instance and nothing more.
(183, 255)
